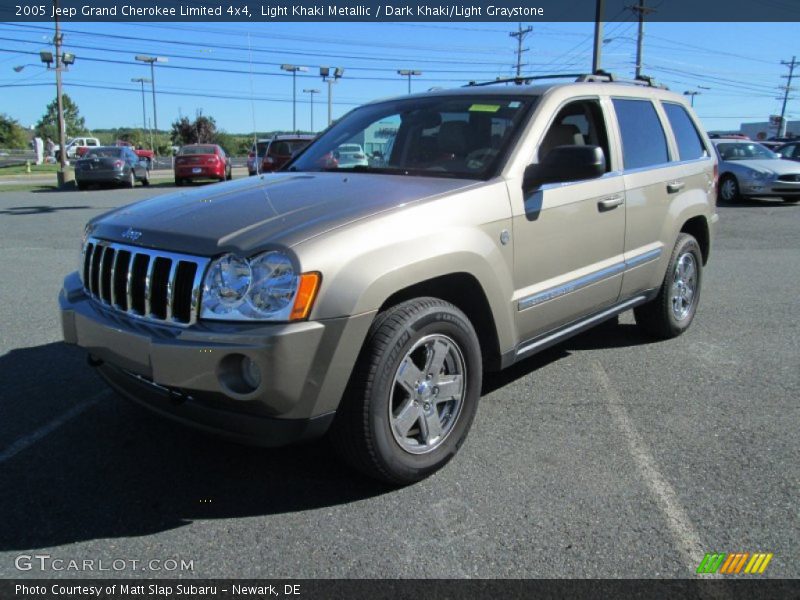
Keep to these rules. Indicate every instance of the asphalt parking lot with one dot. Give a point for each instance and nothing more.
(607, 456)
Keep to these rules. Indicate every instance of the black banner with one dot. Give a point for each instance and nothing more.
(389, 10)
(399, 589)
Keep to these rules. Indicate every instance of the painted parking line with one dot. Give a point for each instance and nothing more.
(29, 440)
(687, 538)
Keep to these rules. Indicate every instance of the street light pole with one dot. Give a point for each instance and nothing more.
(312, 92)
(692, 94)
(293, 69)
(408, 73)
(330, 78)
(152, 60)
(144, 80)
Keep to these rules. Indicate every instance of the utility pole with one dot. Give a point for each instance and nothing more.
(330, 75)
(520, 34)
(144, 80)
(787, 88)
(62, 138)
(598, 36)
(691, 94)
(641, 11)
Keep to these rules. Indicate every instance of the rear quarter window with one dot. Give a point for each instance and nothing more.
(643, 141)
(690, 144)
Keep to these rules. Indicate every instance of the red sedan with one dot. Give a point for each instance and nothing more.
(201, 161)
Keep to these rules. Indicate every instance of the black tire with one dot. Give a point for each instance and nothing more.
(729, 191)
(81, 185)
(178, 181)
(131, 181)
(146, 179)
(658, 317)
(230, 175)
(791, 199)
(362, 432)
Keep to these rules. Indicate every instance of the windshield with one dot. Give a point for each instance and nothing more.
(445, 136)
(742, 151)
(261, 148)
(104, 153)
(188, 150)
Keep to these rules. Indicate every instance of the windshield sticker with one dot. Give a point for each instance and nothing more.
(484, 108)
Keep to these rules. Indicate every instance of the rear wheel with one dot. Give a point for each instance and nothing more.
(178, 181)
(146, 179)
(671, 312)
(81, 185)
(413, 393)
(791, 199)
(131, 182)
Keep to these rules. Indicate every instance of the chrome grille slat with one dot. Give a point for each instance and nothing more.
(148, 287)
(112, 279)
(171, 287)
(104, 257)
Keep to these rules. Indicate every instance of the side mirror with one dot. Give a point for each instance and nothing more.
(566, 163)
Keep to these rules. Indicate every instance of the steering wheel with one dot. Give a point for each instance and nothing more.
(478, 158)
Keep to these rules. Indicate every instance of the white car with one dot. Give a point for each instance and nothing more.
(749, 169)
(351, 155)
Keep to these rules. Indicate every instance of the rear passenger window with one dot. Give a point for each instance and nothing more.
(643, 140)
(690, 144)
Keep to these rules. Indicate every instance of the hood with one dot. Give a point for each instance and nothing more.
(773, 165)
(251, 214)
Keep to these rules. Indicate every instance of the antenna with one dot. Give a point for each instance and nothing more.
(253, 103)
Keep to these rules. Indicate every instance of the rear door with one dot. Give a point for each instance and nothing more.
(658, 179)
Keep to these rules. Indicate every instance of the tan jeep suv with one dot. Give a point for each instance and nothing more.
(366, 301)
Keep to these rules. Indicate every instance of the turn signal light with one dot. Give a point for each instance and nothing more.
(306, 294)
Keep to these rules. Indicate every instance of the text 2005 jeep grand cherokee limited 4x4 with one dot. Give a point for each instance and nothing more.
(366, 301)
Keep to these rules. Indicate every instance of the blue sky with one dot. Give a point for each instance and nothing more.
(735, 66)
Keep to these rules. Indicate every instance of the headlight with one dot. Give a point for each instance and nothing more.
(758, 174)
(263, 288)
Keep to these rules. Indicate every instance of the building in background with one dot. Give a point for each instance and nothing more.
(767, 129)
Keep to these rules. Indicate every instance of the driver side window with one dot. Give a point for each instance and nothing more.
(579, 123)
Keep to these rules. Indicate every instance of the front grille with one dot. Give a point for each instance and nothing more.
(791, 177)
(158, 286)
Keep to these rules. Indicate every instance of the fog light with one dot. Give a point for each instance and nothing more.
(250, 372)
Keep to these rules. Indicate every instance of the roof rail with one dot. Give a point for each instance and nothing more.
(597, 76)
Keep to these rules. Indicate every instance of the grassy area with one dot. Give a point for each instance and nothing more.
(28, 187)
(23, 170)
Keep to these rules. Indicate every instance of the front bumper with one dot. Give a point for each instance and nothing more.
(187, 374)
(769, 187)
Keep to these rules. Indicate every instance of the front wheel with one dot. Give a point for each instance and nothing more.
(413, 393)
(729, 189)
(671, 312)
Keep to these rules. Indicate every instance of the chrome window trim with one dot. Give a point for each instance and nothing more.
(586, 280)
(152, 254)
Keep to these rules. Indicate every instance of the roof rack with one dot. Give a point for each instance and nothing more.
(596, 77)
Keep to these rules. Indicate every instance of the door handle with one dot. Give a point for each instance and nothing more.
(673, 187)
(610, 202)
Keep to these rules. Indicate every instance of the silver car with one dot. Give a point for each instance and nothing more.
(750, 169)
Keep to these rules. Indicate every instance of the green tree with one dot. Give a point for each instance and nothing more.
(47, 127)
(12, 135)
(203, 130)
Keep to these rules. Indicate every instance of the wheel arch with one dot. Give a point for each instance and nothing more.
(698, 228)
(465, 292)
